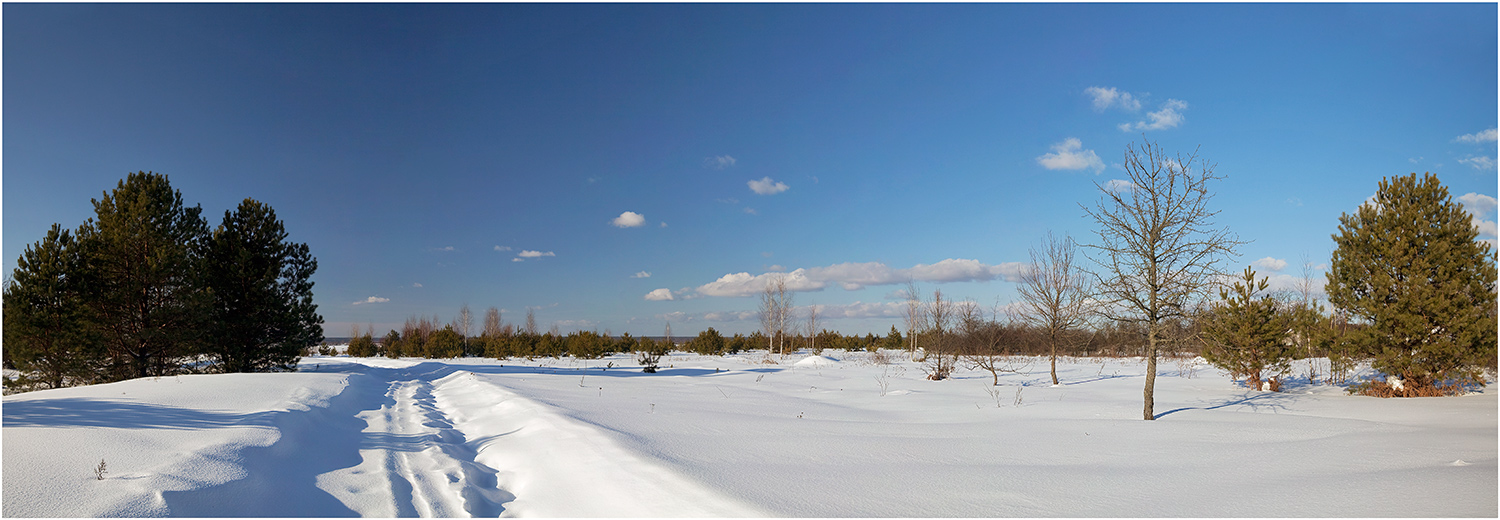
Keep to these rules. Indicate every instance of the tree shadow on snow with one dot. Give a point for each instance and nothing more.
(80, 412)
(1256, 401)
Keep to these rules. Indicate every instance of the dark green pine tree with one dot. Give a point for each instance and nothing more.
(1244, 333)
(141, 258)
(47, 334)
(1409, 266)
(263, 314)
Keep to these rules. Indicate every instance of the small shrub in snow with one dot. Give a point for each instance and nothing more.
(100, 470)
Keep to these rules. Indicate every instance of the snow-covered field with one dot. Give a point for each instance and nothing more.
(733, 436)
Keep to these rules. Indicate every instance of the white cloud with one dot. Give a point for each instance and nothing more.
(1484, 136)
(1169, 116)
(372, 299)
(853, 276)
(502, 248)
(1479, 162)
(776, 268)
(719, 162)
(856, 310)
(641, 274)
(1118, 186)
(629, 219)
(1279, 282)
(1274, 264)
(663, 224)
(1477, 203)
(449, 248)
(1110, 97)
(417, 285)
(534, 254)
(750, 211)
(766, 186)
(1070, 155)
(517, 260)
(662, 294)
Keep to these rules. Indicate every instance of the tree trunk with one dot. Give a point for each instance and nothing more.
(1054, 361)
(1149, 412)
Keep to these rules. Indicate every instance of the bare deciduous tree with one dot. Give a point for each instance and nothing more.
(783, 314)
(986, 343)
(768, 313)
(1054, 293)
(463, 322)
(1158, 249)
(812, 328)
(531, 321)
(915, 319)
(939, 349)
(492, 323)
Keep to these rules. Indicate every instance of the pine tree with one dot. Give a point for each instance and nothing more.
(1244, 333)
(142, 258)
(1408, 264)
(263, 314)
(708, 342)
(391, 346)
(445, 343)
(47, 334)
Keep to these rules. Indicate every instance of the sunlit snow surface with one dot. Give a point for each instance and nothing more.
(736, 436)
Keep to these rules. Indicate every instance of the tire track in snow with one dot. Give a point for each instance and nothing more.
(414, 462)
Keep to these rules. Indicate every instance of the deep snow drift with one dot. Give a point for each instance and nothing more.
(735, 436)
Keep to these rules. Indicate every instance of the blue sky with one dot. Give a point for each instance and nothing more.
(437, 155)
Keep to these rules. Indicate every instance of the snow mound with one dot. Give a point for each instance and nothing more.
(816, 361)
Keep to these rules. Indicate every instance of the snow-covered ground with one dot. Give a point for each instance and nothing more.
(735, 436)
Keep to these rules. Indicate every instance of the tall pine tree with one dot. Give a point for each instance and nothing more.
(141, 262)
(47, 333)
(263, 315)
(1408, 265)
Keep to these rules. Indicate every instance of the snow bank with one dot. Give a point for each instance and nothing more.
(816, 361)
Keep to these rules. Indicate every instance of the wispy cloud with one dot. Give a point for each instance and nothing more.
(629, 219)
(517, 260)
(766, 186)
(659, 295)
(372, 299)
(1274, 264)
(750, 211)
(502, 248)
(417, 285)
(641, 274)
(1479, 162)
(1070, 155)
(719, 162)
(535, 254)
(1480, 137)
(1170, 116)
(1118, 186)
(853, 276)
(1105, 98)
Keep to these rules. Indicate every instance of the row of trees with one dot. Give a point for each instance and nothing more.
(1407, 270)
(146, 288)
